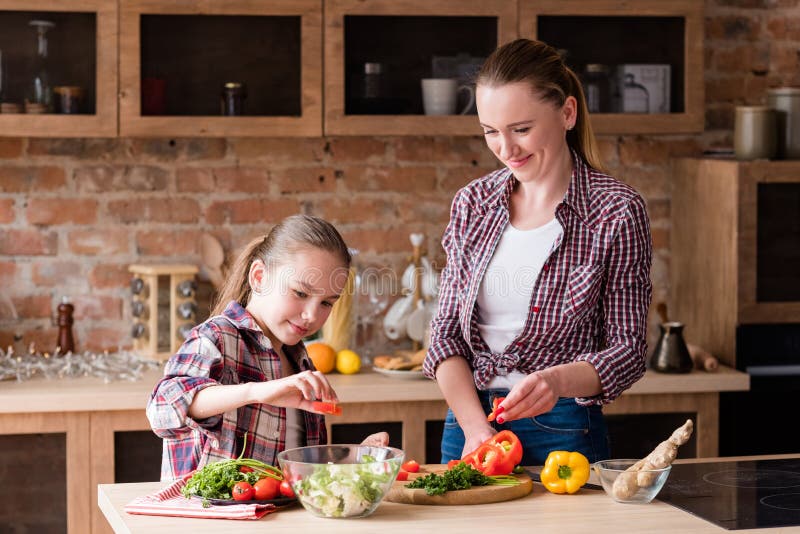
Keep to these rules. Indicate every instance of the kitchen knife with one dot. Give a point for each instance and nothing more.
(536, 478)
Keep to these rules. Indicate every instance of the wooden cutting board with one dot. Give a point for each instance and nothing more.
(474, 495)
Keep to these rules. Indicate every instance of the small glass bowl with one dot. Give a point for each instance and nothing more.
(649, 482)
(341, 480)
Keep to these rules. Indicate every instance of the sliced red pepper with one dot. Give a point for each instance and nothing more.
(452, 463)
(511, 445)
(402, 475)
(495, 404)
(327, 407)
(489, 460)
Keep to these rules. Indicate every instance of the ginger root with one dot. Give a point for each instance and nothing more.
(637, 475)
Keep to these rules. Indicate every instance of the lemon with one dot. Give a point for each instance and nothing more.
(348, 362)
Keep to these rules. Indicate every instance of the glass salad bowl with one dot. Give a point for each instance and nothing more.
(341, 480)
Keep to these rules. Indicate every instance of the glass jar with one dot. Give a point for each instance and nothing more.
(38, 97)
(372, 80)
(597, 88)
(233, 96)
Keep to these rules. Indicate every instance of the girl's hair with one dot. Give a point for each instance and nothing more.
(285, 239)
(540, 65)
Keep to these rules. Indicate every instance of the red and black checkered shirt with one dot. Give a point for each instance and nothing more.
(226, 349)
(589, 302)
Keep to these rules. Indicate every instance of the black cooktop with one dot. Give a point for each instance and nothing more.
(737, 495)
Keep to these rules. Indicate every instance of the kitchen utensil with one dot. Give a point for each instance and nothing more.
(754, 133)
(536, 477)
(474, 495)
(429, 282)
(609, 470)
(395, 322)
(786, 103)
(158, 335)
(212, 256)
(440, 95)
(671, 355)
(341, 480)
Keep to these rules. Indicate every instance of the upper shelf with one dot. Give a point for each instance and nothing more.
(668, 36)
(411, 40)
(175, 57)
(78, 52)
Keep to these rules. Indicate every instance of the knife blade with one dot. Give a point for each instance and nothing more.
(536, 478)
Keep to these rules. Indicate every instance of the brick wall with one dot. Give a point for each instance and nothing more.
(75, 213)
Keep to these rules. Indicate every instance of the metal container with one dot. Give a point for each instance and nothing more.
(754, 134)
(671, 354)
(786, 103)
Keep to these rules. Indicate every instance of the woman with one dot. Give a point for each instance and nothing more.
(545, 295)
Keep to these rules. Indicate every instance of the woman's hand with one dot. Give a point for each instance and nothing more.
(474, 439)
(533, 395)
(296, 391)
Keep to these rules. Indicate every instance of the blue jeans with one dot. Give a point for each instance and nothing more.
(567, 427)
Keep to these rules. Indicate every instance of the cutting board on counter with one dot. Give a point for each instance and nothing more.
(474, 495)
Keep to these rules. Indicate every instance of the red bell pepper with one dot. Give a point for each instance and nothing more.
(510, 443)
(452, 463)
(495, 404)
(327, 407)
(489, 460)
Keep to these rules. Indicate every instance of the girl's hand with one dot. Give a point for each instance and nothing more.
(297, 391)
(533, 395)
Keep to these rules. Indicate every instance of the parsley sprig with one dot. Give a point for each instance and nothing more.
(461, 476)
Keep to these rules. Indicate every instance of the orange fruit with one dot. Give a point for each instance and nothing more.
(323, 356)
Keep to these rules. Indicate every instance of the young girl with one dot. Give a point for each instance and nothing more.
(245, 370)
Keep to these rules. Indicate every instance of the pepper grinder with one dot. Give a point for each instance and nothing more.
(65, 321)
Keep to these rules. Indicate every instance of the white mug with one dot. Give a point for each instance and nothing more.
(439, 96)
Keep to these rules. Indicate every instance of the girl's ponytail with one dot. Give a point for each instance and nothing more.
(237, 285)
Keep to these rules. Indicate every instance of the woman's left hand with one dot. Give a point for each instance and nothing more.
(533, 395)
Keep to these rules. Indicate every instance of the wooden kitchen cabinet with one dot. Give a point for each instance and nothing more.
(404, 37)
(81, 52)
(175, 57)
(617, 32)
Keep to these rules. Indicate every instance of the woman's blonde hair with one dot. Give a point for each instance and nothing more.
(285, 239)
(540, 65)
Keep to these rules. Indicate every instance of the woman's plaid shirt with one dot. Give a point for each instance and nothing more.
(589, 302)
(226, 349)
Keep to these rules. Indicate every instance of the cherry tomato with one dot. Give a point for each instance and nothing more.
(243, 491)
(402, 475)
(286, 489)
(245, 469)
(267, 488)
(411, 466)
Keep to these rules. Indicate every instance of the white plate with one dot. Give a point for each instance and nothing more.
(403, 375)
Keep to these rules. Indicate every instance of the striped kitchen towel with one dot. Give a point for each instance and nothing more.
(170, 501)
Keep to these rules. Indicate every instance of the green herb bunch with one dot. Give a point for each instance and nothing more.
(461, 476)
(215, 481)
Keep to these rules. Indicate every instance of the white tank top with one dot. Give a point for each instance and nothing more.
(504, 295)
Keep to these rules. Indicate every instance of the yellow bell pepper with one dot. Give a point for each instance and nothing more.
(565, 472)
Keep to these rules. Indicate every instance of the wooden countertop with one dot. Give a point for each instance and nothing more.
(91, 394)
(587, 510)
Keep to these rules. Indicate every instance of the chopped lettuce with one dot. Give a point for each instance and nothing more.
(345, 490)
